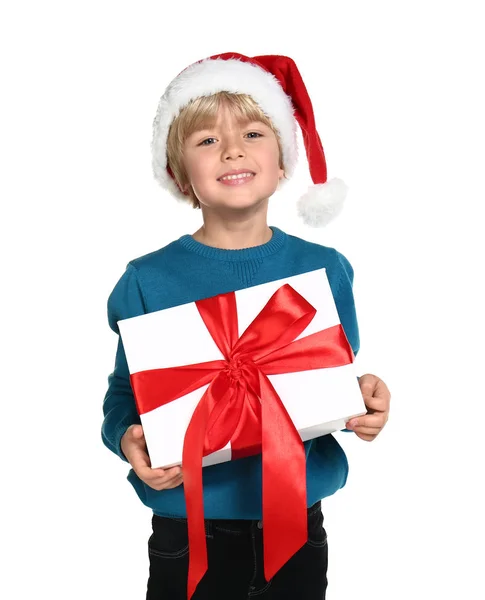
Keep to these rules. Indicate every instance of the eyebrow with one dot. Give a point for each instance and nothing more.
(211, 126)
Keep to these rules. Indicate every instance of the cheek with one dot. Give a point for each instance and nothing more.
(198, 172)
(272, 161)
(273, 166)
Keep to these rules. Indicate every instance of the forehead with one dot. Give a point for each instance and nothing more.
(224, 117)
(230, 110)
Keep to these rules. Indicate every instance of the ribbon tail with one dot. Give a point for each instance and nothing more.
(194, 499)
(285, 526)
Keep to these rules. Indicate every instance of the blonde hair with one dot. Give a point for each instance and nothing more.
(202, 113)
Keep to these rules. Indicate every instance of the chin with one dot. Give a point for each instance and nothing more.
(235, 203)
(243, 203)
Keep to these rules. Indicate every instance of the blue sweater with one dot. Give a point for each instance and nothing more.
(186, 271)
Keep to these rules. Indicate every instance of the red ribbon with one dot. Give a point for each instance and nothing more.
(242, 407)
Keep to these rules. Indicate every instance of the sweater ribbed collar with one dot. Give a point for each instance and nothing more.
(276, 242)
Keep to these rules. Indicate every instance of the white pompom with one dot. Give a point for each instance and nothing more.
(322, 202)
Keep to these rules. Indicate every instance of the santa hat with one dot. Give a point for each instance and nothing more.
(276, 85)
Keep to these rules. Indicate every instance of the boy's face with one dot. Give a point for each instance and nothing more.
(249, 148)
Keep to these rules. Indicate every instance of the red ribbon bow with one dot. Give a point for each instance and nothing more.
(242, 407)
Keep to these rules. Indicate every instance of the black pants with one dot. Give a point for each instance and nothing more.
(235, 556)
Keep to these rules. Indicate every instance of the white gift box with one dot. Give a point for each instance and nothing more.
(319, 401)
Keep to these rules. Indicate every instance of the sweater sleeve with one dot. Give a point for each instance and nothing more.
(119, 409)
(344, 300)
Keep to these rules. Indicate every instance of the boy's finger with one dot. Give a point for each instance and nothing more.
(164, 484)
(135, 446)
(170, 474)
(145, 473)
(378, 398)
(136, 431)
(376, 420)
(173, 471)
(375, 402)
(176, 482)
(367, 430)
(160, 476)
(170, 483)
(140, 460)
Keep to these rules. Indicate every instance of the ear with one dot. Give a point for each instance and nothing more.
(281, 174)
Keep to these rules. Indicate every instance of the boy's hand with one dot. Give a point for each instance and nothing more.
(377, 399)
(134, 448)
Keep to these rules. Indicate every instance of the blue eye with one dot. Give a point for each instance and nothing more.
(254, 133)
(203, 143)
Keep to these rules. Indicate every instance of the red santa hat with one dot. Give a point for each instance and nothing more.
(276, 85)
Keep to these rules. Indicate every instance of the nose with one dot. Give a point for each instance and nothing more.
(233, 148)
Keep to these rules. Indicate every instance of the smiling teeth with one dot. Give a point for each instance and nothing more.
(240, 176)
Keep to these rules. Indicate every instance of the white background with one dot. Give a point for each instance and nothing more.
(398, 96)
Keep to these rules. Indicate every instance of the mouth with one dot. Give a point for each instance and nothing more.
(237, 179)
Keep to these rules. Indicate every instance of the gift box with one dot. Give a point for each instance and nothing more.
(257, 370)
(318, 400)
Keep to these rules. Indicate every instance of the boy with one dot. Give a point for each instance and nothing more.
(224, 139)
